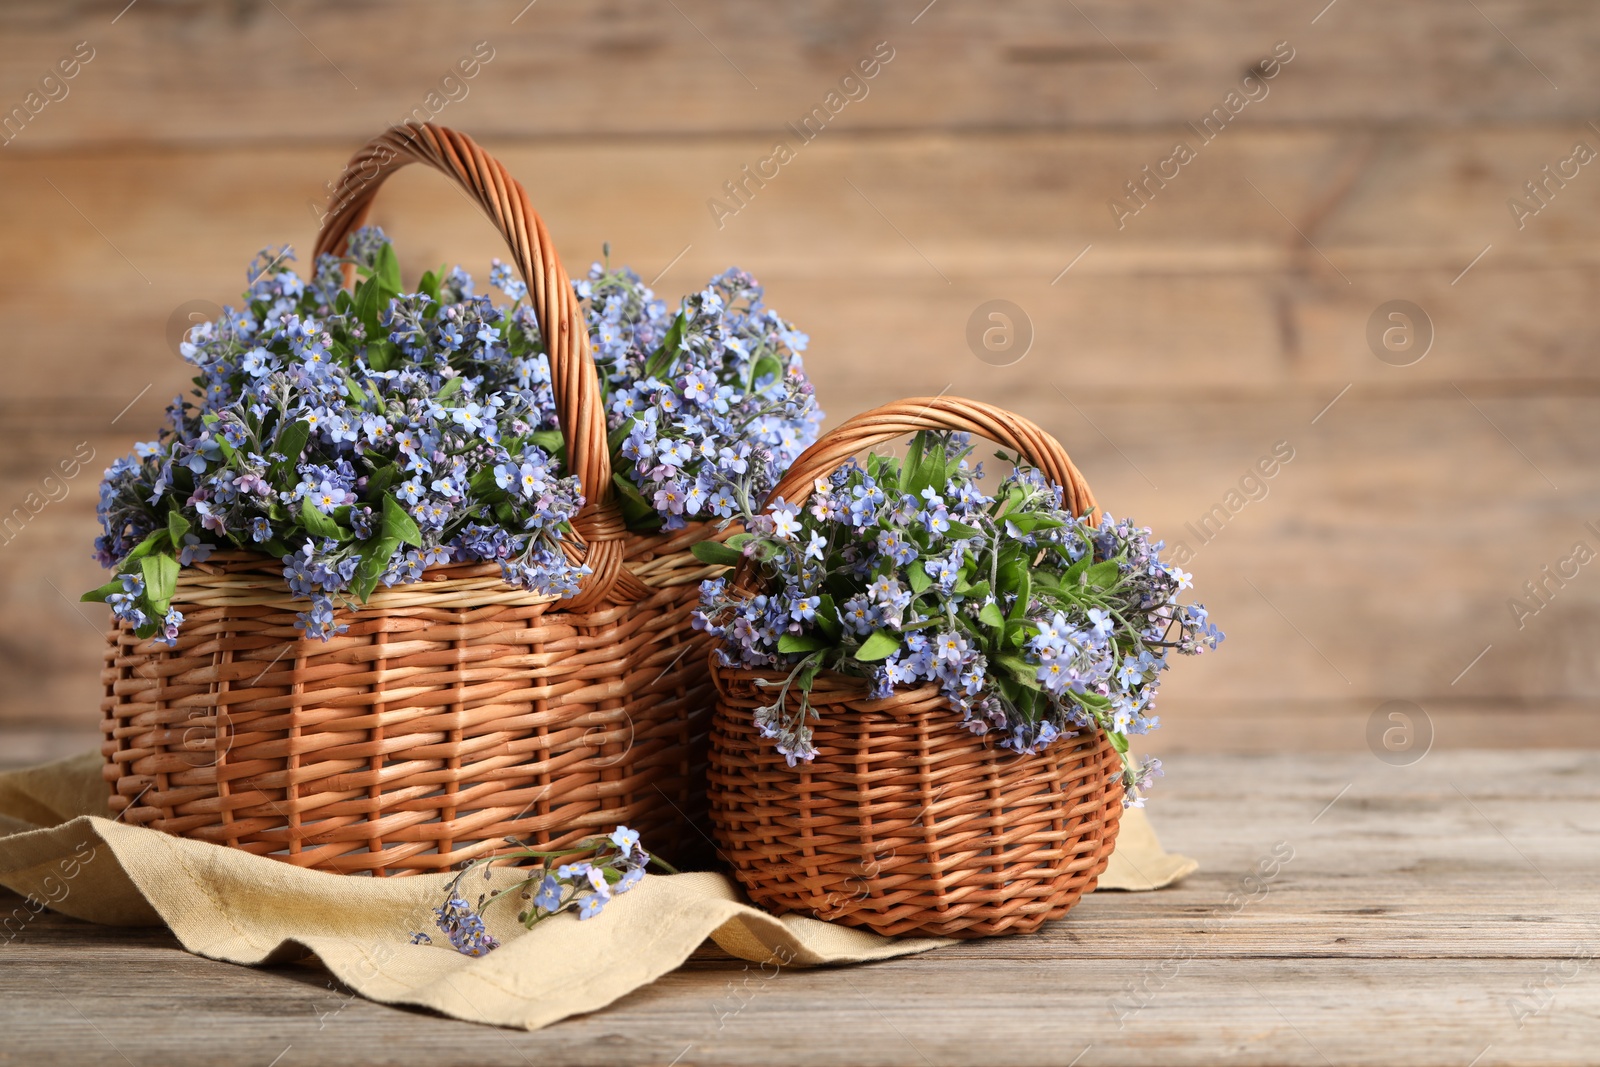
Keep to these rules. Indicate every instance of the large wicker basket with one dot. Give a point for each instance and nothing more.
(455, 711)
(905, 822)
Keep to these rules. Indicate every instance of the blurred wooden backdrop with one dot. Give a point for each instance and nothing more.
(1178, 350)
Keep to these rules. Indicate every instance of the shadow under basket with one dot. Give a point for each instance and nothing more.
(426, 733)
(906, 822)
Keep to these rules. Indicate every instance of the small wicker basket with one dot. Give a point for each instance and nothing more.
(455, 711)
(905, 822)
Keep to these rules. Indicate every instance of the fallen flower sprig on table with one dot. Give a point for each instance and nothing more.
(617, 863)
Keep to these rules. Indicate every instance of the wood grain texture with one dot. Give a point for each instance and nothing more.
(1378, 571)
(1401, 928)
(1228, 314)
(1247, 307)
(178, 70)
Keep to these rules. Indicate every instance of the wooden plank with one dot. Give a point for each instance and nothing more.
(295, 69)
(1414, 565)
(1403, 930)
(1251, 308)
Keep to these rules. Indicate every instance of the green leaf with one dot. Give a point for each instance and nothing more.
(450, 388)
(549, 440)
(635, 508)
(316, 523)
(381, 478)
(915, 454)
(1045, 583)
(431, 281)
(483, 481)
(1118, 741)
(147, 546)
(388, 270)
(1013, 567)
(828, 617)
(1015, 632)
(925, 464)
(974, 592)
(880, 645)
(98, 596)
(382, 354)
(666, 356)
(615, 438)
(1070, 577)
(160, 579)
(800, 642)
(1030, 522)
(177, 526)
(1020, 669)
(369, 304)
(626, 487)
(1103, 574)
(990, 616)
(375, 557)
(766, 365)
(291, 444)
(919, 579)
(719, 554)
(961, 531)
(399, 524)
(1024, 592)
(353, 390)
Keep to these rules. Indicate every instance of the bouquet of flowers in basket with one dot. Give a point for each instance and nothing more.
(1034, 623)
(364, 435)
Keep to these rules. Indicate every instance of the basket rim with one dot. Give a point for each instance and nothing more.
(848, 697)
(250, 579)
(241, 578)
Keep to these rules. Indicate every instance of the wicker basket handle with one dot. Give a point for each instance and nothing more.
(902, 417)
(574, 379)
(936, 413)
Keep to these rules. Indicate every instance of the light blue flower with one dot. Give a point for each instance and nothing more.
(549, 895)
(625, 839)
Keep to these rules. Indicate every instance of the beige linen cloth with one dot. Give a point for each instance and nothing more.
(58, 849)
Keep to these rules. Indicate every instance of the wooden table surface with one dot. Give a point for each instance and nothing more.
(1441, 913)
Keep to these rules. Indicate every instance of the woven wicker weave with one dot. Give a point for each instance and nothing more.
(905, 822)
(455, 711)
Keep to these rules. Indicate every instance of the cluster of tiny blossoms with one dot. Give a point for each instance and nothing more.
(384, 434)
(363, 437)
(709, 405)
(1034, 623)
(615, 865)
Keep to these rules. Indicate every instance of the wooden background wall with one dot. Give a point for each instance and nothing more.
(1226, 316)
